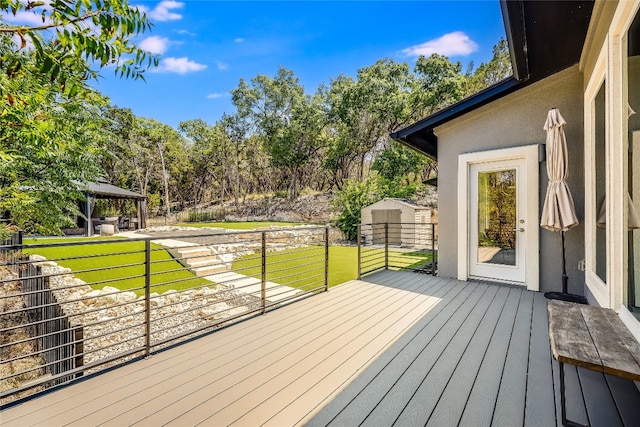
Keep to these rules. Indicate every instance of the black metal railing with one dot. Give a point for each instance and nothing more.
(120, 299)
(397, 246)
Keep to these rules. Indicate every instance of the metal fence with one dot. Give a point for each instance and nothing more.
(397, 246)
(58, 341)
(127, 298)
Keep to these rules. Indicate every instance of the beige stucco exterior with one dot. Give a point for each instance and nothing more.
(516, 120)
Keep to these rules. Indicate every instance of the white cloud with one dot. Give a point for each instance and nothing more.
(186, 32)
(163, 11)
(456, 43)
(238, 40)
(154, 44)
(179, 65)
(26, 18)
(216, 95)
(222, 65)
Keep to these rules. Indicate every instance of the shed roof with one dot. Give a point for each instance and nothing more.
(405, 202)
(544, 37)
(103, 190)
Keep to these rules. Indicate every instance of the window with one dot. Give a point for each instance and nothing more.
(600, 162)
(633, 88)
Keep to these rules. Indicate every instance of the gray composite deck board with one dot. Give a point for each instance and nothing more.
(540, 378)
(484, 392)
(395, 347)
(509, 408)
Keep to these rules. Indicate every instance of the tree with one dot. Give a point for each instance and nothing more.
(52, 132)
(496, 70)
(440, 82)
(288, 120)
(75, 35)
(48, 143)
(351, 199)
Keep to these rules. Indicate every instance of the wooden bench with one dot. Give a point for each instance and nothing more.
(594, 338)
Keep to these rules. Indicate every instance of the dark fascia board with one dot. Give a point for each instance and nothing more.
(516, 32)
(420, 135)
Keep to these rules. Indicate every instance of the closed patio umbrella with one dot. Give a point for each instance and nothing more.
(558, 211)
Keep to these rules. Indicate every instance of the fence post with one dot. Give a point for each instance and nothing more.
(326, 258)
(147, 297)
(359, 251)
(263, 276)
(79, 347)
(386, 245)
(433, 249)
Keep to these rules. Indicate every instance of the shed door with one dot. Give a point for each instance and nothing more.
(392, 217)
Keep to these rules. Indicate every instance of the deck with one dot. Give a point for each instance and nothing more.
(396, 348)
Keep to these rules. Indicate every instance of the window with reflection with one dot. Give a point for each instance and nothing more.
(497, 217)
(600, 183)
(633, 212)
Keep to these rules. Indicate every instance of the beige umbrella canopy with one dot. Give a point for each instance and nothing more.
(558, 211)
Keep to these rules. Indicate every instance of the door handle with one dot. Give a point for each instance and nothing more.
(519, 229)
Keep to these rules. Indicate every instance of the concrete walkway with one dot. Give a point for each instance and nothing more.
(250, 285)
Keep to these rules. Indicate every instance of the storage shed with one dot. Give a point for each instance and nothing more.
(408, 222)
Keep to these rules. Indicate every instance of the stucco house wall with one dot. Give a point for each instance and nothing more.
(517, 120)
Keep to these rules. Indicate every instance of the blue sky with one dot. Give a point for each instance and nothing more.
(207, 46)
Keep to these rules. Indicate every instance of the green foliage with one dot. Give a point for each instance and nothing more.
(350, 201)
(288, 121)
(497, 69)
(75, 35)
(52, 131)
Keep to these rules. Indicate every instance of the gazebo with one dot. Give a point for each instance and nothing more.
(104, 190)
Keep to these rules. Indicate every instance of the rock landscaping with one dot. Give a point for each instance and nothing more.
(113, 320)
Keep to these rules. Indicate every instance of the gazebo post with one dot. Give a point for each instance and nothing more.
(87, 213)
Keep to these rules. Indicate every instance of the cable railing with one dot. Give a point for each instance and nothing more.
(75, 308)
(397, 246)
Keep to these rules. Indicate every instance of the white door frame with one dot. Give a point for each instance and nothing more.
(531, 178)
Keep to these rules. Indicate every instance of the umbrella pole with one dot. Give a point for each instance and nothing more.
(565, 295)
(565, 278)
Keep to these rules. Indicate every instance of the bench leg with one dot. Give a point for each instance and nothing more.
(563, 403)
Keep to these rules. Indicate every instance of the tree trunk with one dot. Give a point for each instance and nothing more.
(166, 186)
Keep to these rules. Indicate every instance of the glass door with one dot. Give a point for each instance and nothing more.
(497, 222)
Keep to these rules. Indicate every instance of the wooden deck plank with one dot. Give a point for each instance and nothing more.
(226, 343)
(361, 396)
(615, 344)
(509, 409)
(626, 396)
(336, 378)
(375, 331)
(451, 403)
(344, 362)
(601, 408)
(245, 372)
(419, 408)
(395, 400)
(189, 353)
(450, 351)
(539, 397)
(576, 410)
(484, 392)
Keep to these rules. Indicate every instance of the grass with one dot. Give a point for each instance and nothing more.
(298, 264)
(239, 225)
(121, 264)
(111, 256)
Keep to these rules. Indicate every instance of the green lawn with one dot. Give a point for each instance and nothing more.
(301, 267)
(112, 255)
(298, 264)
(239, 225)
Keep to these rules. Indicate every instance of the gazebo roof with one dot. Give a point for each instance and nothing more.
(104, 190)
